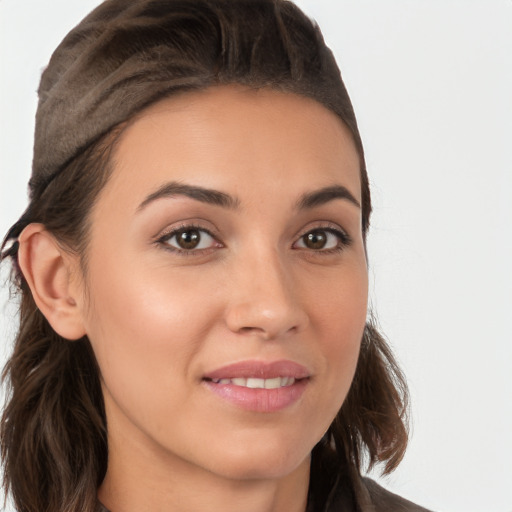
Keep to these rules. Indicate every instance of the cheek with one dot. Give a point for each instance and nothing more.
(339, 315)
(339, 302)
(144, 330)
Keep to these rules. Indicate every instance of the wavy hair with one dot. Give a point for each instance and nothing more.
(53, 430)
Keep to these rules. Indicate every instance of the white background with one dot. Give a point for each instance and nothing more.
(431, 83)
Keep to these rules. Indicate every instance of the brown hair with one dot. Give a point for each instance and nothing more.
(123, 57)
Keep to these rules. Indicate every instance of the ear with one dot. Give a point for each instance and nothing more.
(48, 270)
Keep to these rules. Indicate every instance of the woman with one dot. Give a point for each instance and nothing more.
(192, 271)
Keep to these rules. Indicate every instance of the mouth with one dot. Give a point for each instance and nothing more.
(256, 383)
(259, 386)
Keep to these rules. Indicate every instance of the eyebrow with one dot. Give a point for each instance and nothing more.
(218, 198)
(325, 195)
(205, 195)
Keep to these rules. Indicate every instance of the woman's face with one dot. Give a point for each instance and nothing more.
(226, 284)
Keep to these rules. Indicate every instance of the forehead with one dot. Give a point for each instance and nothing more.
(229, 136)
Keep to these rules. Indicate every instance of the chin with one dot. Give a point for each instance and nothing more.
(260, 461)
(264, 470)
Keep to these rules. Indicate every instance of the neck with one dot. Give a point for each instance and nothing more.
(138, 480)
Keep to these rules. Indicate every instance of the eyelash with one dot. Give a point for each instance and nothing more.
(164, 239)
(344, 240)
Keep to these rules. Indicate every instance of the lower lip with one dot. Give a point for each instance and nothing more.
(259, 400)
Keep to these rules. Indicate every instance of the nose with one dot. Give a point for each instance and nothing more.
(263, 299)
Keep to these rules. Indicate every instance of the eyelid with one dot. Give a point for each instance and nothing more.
(162, 238)
(344, 238)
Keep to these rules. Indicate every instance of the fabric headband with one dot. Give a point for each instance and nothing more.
(128, 54)
(99, 77)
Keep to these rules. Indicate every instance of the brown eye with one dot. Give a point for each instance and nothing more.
(315, 239)
(189, 239)
(323, 240)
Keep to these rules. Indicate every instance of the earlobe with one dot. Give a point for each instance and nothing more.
(47, 269)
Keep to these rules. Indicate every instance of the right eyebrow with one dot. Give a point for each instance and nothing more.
(205, 195)
(325, 195)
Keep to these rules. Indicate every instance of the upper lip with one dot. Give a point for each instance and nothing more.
(259, 369)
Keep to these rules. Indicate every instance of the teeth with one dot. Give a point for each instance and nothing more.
(255, 383)
(273, 383)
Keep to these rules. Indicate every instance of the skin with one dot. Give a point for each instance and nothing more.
(159, 319)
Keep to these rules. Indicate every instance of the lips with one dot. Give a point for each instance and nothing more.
(260, 369)
(259, 386)
(256, 383)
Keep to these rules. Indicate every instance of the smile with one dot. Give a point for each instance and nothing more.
(255, 383)
(259, 386)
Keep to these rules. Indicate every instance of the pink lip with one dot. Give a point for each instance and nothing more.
(260, 370)
(257, 399)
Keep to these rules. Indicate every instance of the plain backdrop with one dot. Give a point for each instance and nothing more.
(431, 82)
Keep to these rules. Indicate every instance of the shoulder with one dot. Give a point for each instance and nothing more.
(386, 501)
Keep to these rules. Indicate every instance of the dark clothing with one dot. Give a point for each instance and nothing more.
(366, 497)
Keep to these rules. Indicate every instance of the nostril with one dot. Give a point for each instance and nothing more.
(268, 333)
(257, 331)
(268, 316)
(250, 329)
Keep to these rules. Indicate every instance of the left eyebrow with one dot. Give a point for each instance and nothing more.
(204, 195)
(324, 195)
